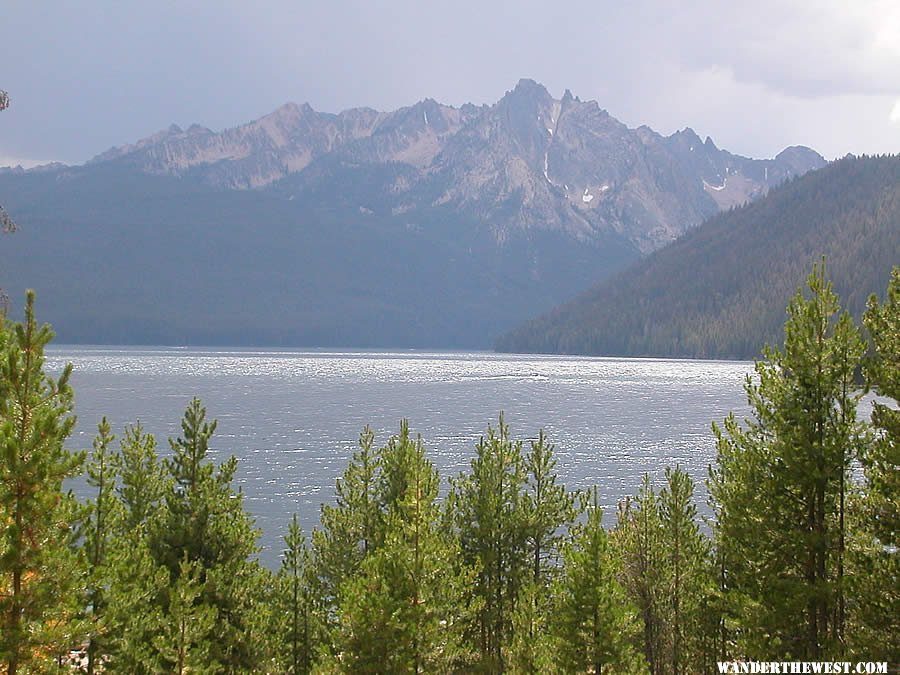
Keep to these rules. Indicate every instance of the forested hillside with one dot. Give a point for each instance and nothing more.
(720, 290)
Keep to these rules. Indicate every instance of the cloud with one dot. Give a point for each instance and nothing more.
(803, 49)
(895, 113)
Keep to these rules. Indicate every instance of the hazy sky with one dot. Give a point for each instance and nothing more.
(756, 76)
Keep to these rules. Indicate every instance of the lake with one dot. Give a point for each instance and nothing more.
(293, 417)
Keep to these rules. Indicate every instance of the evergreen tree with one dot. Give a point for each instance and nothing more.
(142, 483)
(487, 510)
(297, 616)
(548, 509)
(206, 525)
(779, 486)
(99, 535)
(39, 576)
(188, 636)
(405, 609)
(687, 582)
(135, 606)
(882, 457)
(596, 626)
(638, 539)
(351, 528)
(532, 649)
(875, 604)
(138, 584)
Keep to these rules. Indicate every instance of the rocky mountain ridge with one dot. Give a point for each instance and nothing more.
(527, 162)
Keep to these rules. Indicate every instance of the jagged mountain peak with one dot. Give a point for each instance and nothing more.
(527, 85)
(527, 161)
(526, 93)
(287, 110)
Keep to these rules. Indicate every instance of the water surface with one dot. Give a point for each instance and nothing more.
(293, 417)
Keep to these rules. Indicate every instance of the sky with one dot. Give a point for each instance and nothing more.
(755, 76)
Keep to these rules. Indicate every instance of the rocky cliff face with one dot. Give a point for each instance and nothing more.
(528, 162)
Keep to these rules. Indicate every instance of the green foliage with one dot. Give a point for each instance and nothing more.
(350, 528)
(638, 539)
(688, 584)
(136, 583)
(882, 372)
(487, 508)
(547, 510)
(197, 492)
(779, 486)
(135, 613)
(297, 613)
(168, 520)
(206, 525)
(142, 483)
(405, 609)
(510, 576)
(39, 571)
(874, 605)
(595, 624)
(532, 648)
(188, 635)
(102, 517)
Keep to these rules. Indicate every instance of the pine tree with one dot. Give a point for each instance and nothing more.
(99, 535)
(532, 649)
(142, 482)
(779, 486)
(882, 457)
(39, 590)
(547, 509)
(297, 616)
(687, 574)
(135, 606)
(487, 510)
(596, 626)
(138, 584)
(638, 540)
(874, 607)
(405, 609)
(351, 528)
(189, 636)
(205, 524)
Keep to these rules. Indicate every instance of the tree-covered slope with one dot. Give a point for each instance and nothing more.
(118, 257)
(720, 290)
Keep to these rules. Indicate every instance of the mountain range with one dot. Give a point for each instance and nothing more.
(426, 226)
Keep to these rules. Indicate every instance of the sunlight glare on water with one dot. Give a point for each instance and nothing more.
(293, 417)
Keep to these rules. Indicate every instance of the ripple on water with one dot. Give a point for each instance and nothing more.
(293, 418)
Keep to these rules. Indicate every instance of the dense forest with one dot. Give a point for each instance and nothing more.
(509, 572)
(718, 291)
